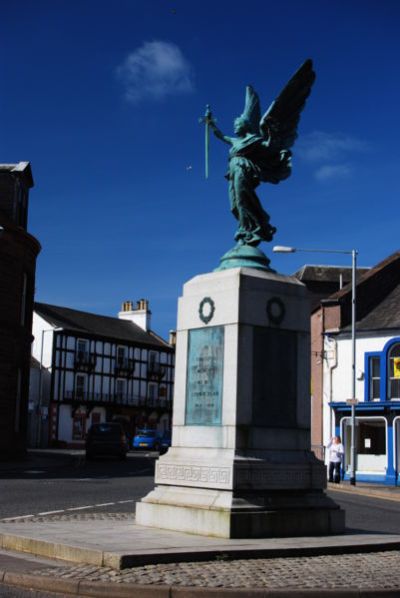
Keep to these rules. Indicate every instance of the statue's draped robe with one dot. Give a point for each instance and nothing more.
(252, 160)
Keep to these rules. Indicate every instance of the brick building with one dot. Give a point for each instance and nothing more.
(18, 252)
(321, 282)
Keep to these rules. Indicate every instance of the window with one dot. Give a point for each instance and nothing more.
(374, 378)
(120, 389)
(394, 372)
(152, 392)
(82, 346)
(121, 354)
(371, 437)
(153, 360)
(370, 444)
(154, 368)
(80, 385)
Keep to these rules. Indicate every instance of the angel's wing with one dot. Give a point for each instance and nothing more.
(282, 117)
(252, 110)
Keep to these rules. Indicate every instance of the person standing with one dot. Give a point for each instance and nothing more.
(336, 451)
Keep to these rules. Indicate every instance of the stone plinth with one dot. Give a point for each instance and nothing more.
(240, 464)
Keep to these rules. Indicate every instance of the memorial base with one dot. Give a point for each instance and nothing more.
(224, 515)
(240, 464)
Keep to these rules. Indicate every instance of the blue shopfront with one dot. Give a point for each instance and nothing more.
(377, 428)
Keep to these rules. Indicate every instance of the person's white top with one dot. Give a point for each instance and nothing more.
(335, 452)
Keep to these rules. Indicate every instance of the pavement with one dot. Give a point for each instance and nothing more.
(107, 554)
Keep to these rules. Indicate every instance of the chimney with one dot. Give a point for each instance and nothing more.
(139, 315)
(172, 338)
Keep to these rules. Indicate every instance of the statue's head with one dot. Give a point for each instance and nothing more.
(241, 126)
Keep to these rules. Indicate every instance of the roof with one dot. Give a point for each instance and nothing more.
(21, 168)
(391, 262)
(377, 297)
(321, 273)
(93, 324)
(321, 281)
(386, 315)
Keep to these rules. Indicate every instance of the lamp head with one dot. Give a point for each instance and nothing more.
(283, 249)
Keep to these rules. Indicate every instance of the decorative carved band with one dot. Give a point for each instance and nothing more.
(193, 473)
(276, 477)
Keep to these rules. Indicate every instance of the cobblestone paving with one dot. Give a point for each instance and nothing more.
(374, 570)
(75, 517)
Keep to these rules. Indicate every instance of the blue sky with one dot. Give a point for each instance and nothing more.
(103, 99)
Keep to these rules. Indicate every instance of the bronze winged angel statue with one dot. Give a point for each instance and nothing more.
(260, 152)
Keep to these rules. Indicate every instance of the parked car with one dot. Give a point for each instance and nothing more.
(152, 440)
(146, 439)
(106, 439)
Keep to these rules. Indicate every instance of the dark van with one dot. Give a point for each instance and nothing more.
(106, 439)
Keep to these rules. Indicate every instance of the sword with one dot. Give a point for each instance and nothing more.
(207, 119)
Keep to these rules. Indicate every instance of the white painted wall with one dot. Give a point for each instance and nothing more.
(140, 317)
(337, 385)
(65, 423)
(42, 330)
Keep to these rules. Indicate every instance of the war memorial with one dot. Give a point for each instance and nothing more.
(240, 464)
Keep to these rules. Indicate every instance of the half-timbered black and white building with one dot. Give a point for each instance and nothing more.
(101, 369)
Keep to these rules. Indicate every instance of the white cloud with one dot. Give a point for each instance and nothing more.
(319, 146)
(332, 171)
(155, 70)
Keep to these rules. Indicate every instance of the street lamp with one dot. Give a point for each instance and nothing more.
(353, 400)
(39, 424)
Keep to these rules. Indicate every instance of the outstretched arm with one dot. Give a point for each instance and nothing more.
(219, 134)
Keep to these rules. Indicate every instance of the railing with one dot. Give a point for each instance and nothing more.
(115, 399)
(157, 403)
(85, 360)
(124, 366)
(156, 370)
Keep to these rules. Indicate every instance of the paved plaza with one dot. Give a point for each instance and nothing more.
(347, 565)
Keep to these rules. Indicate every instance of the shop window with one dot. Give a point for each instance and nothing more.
(370, 444)
(371, 438)
(374, 378)
(394, 372)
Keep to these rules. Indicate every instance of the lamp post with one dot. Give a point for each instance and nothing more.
(353, 400)
(40, 401)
